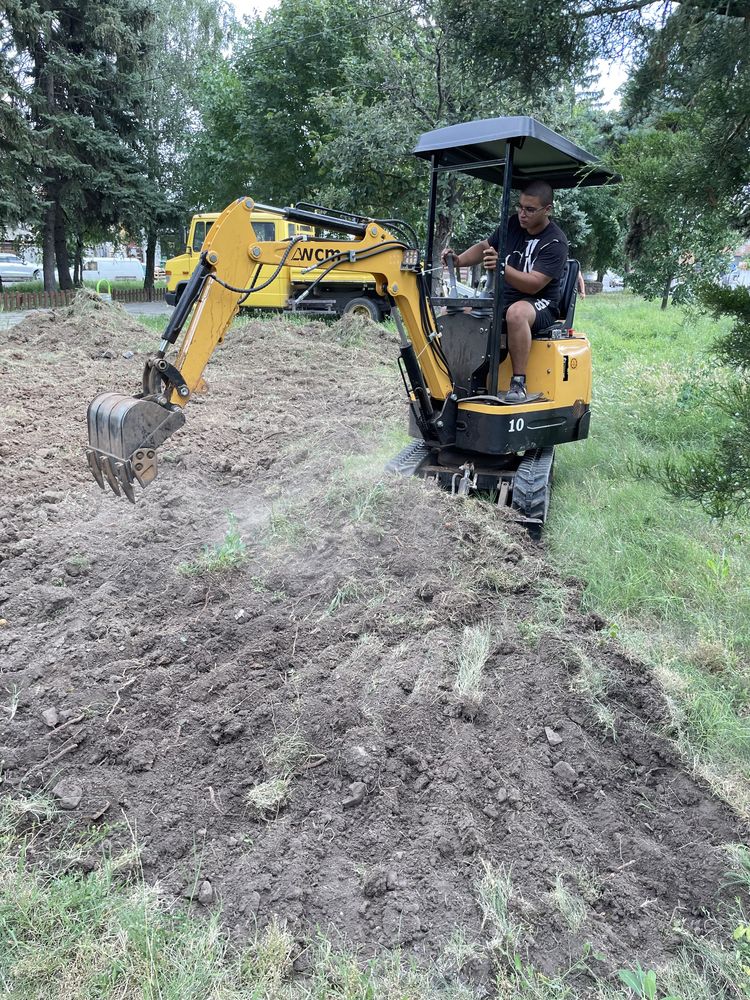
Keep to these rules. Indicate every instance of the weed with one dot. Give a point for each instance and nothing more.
(571, 906)
(494, 890)
(349, 591)
(530, 632)
(286, 752)
(288, 526)
(79, 561)
(266, 798)
(588, 882)
(229, 555)
(476, 644)
(12, 707)
(641, 983)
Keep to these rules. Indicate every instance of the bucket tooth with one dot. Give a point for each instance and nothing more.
(108, 471)
(126, 481)
(94, 466)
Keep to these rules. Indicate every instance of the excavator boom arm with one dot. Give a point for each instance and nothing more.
(124, 432)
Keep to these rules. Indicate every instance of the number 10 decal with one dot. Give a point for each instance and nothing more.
(517, 424)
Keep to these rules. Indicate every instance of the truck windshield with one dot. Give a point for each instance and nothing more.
(265, 232)
(200, 233)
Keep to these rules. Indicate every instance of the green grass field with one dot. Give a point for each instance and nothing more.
(674, 582)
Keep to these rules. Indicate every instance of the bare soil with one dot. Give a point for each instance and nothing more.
(159, 701)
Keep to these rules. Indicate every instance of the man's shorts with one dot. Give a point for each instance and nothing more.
(544, 315)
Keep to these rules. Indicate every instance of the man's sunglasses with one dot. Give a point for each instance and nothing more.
(525, 210)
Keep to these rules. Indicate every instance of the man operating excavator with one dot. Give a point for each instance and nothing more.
(536, 253)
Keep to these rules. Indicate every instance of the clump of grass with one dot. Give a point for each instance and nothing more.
(551, 603)
(266, 799)
(548, 615)
(288, 526)
(350, 590)
(286, 752)
(571, 906)
(494, 891)
(267, 963)
(16, 813)
(590, 680)
(476, 645)
(457, 952)
(222, 558)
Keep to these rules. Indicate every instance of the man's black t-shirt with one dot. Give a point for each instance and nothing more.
(546, 252)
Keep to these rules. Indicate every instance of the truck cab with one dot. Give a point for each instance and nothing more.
(298, 288)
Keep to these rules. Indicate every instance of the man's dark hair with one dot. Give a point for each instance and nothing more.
(541, 190)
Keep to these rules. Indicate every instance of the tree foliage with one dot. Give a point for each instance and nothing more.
(181, 42)
(100, 111)
(719, 476)
(81, 83)
(325, 101)
(685, 157)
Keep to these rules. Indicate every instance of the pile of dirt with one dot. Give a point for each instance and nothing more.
(390, 698)
(88, 325)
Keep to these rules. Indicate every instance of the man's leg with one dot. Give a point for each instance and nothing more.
(520, 318)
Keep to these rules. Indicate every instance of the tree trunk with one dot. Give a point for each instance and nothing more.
(48, 248)
(148, 282)
(61, 250)
(600, 276)
(665, 292)
(78, 262)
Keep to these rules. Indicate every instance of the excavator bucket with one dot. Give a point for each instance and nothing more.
(124, 433)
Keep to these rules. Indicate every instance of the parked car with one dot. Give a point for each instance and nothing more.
(12, 268)
(113, 269)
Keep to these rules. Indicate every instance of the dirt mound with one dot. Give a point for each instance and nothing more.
(389, 708)
(89, 322)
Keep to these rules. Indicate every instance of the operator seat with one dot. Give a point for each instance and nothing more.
(567, 304)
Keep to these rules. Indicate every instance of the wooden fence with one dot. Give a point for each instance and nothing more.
(19, 301)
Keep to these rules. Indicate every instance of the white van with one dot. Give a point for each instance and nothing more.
(113, 269)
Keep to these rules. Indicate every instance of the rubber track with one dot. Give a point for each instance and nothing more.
(408, 459)
(532, 482)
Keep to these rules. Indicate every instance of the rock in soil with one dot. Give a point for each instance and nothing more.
(68, 793)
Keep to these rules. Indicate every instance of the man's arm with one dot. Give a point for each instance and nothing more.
(527, 282)
(468, 258)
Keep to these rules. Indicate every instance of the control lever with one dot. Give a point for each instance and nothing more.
(452, 290)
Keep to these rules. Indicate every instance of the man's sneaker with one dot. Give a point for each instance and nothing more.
(517, 392)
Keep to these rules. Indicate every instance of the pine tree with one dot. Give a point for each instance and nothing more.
(83, 88)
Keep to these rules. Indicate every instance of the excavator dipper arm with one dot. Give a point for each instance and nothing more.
(125, 431)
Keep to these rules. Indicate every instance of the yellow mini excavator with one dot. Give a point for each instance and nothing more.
(453, 355)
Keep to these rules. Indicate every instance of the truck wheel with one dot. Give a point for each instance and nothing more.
(363, 307)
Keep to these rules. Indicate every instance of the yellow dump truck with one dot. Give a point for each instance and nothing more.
(299, 288)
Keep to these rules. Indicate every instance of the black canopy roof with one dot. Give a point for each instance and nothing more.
(479, 148)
